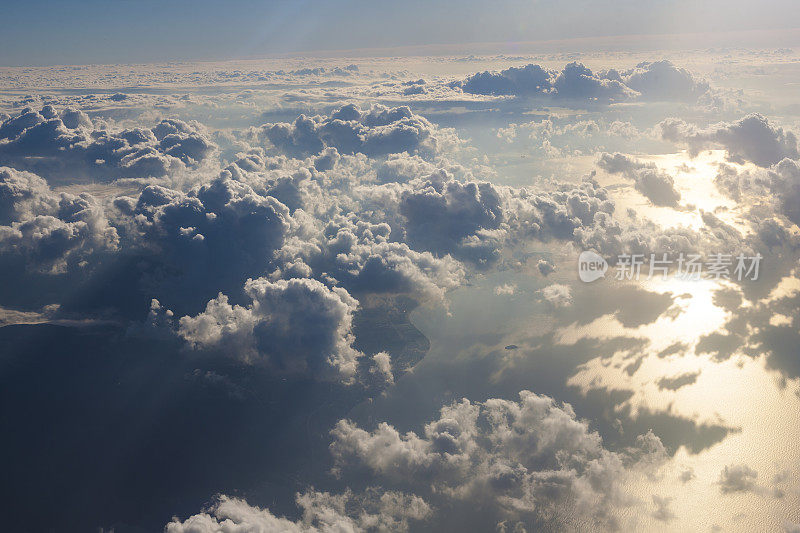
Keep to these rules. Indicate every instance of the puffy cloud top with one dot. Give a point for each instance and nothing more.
(516, 81)
(448, 216)
(375, 132)
(751, 138)
(66, 145)
(518, 460)
(322, 513)
(48, 232)
(296, 326)
(659, 80)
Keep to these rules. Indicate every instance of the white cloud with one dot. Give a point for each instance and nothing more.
(751, 138)
(322, 513)
(506, 289)
(377, 131)
(519, 461)
(659, 81)
(296, 326)
(66, 146)
(558, 295)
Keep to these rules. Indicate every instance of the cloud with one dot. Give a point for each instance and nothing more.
(558, 295)
(662, 512)
(518, 461)
(663, 81)
(448, 216)
(652, 182)
(545, 267)
(66, 146)
(361, 257)
(676, 382)
(296, 326)
(515, 81)
(653, 81)
(507, 289)
(49, 233)
(195, 244)
(558, 137)
(737, 478)
(375, 132)
(576, 82)
(288, 267)
(323, 512)
(382, 367)
(751, 138)
(784, 184)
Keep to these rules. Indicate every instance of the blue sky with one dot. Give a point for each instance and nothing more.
(42, 32)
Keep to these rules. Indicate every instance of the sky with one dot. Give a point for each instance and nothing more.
(378, 267)
(127, 31)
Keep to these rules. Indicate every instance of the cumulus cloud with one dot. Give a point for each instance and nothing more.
(296, 251)
(66, 146)
(545, 267)
(653, 183)
(213, 237)
(558, 295)
(296, 326)
(183, 248)
(449, 216)
(49, 233)
(322, 512)
(520, 461)
(577, 82)
(505, 289)
(362, 258)
(661, 81)
(783, 182)
(751, 138)
(737, 478)
(517, 81)
(377, 131)
(375, 229)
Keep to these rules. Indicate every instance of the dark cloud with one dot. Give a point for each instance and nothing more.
(545, 267)
(198, 243)
(676, 382)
